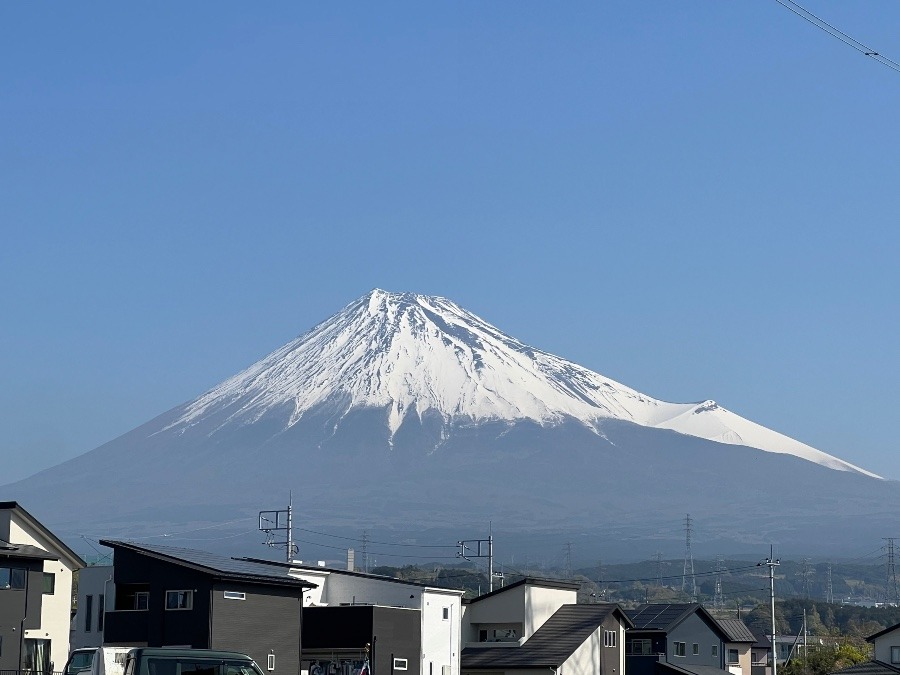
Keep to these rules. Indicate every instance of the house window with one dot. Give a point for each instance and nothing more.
(446, 614)
(180, 600)
(235, 595)
(270, 662)
(88, 612)
(696, 650)
(895, 654)
(400, 664)
(680, 648)
(638, 647)
(142, 600)
(609, 638)
(715, 651)
(49, 583)
(101, 611)
(12, 577)
(732, 656)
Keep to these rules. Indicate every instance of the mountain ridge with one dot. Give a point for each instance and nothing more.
(411, 352)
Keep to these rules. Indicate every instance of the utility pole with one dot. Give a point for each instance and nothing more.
(771, 562)
(479, 548)
(280, 521)
(719, 599)
(689, 559)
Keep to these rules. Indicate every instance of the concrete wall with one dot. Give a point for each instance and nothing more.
(527, 605)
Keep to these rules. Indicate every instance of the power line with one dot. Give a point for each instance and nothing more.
(365, 539)
(838, 34)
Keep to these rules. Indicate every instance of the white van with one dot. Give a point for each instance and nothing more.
(97, 661)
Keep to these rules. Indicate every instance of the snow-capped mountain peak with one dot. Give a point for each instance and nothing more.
(411, 354)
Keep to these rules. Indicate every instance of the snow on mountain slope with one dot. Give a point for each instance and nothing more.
(412, 354)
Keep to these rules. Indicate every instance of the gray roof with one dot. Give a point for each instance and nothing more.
(736, 630)
(218, 566)
(869, 668)
(551, 644)
(63, 551)
(8, 550)
(531, 581)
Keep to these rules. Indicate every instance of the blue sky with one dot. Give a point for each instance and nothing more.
(697, 199)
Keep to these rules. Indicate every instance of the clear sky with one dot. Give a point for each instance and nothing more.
(698, 199)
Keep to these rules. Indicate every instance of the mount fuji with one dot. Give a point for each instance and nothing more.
(407, 413)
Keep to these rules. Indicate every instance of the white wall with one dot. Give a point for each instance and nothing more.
(92, 581)
(440, 637)
(528, 605)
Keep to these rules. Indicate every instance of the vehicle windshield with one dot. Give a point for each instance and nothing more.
(80, 661)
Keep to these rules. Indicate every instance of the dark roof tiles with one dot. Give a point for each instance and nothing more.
(736, 630)
(551, 644)
(217, 565)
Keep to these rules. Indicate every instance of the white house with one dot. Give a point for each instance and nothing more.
(96, 594)
(439, 608)
(34, 564)
(535, 625)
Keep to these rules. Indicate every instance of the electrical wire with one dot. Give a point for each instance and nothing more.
(838, 34)
(380, 543)
(374, 553)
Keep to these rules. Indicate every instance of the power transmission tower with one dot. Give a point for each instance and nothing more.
(568, 560)
(806, 574)
(365, 551)
(688, 560)
(719, 599)
(890, 592)
(658, 558)
(829, 589)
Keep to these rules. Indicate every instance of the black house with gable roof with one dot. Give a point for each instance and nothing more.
(167, 596)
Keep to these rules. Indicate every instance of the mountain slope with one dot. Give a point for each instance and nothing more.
(404, 412)
(418, 354)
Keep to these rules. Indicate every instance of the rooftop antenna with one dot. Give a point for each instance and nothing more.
(272, 522)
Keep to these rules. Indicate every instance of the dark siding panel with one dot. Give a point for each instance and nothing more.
(397, 633)
(266, 621)
(337, 627)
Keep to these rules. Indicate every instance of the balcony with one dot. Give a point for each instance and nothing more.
(126, 626)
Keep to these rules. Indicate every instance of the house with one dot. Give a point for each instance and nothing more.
(737, 647)
(96, 592)
(885, 656)
(675, 638)
(761, 654)
(335, 601)
(165, 596)
(535, 624)
(36, 571)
